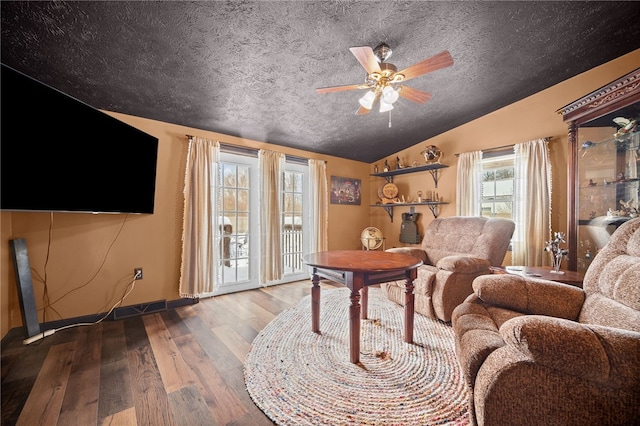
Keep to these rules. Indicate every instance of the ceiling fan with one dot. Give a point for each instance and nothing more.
(384, 82)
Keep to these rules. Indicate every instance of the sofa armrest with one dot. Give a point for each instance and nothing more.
(605, 355)
(464, 264)
(411, 251)
(530, 296)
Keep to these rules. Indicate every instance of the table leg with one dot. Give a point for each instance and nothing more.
(409, 306)
(364, 302)
(315, 303)
(354, 324)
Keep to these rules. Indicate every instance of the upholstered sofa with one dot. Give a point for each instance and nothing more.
(537, 352)
(455, 250)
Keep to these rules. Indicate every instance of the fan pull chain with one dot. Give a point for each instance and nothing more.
(389, 118)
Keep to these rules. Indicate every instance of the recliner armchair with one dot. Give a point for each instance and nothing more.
(454, 250)
(537, 352)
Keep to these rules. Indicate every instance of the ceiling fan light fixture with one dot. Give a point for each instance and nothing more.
(384, 81)
(390, 95)
(367, 100)
(384, 106)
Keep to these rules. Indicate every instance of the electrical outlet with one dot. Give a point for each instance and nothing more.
(137, 273)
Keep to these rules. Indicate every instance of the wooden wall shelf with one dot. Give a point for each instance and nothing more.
(433, 206)
(431, 168)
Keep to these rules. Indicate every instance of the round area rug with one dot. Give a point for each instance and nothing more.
(297, 377)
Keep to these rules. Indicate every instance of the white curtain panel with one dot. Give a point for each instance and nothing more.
(469, 184)
(319, 195)
(197, 271)
(532, 203)
(271, 169)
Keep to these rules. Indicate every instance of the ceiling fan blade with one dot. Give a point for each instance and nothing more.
(362, 111)
(366, 57)
(434, 63)
(414, 95)
(341, 88)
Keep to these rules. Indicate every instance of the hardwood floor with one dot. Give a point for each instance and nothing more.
(177, 367)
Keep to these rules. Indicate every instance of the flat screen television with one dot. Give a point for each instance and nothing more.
(58, 154)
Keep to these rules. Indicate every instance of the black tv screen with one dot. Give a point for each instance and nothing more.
(58, 154)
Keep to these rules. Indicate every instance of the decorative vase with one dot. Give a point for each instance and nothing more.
(432, 154)
(557, 261)
(557, 253)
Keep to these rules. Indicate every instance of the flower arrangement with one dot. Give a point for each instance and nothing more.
(557, 253)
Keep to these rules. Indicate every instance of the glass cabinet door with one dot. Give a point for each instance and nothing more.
(608, 188)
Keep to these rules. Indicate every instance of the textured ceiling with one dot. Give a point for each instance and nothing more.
(250, 68)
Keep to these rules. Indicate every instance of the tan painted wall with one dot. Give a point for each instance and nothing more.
(91, 257)
(532, 118)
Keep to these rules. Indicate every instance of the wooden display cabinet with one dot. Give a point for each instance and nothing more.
(602, 168)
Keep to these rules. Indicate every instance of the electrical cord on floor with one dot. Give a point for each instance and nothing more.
(51, 331)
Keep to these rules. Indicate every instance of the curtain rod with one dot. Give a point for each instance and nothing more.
(499, 148)
(239, 149)
(296, 159)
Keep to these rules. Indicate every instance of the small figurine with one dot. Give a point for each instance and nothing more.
(629, 208)
(587, 144)
(375, 169)
(399, 164)
(626, 126)
(386, 166)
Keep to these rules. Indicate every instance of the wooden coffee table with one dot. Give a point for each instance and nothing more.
(358, 269)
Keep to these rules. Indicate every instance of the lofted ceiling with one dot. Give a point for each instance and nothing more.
(250, 68)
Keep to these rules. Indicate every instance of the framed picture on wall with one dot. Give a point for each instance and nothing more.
(345, 190)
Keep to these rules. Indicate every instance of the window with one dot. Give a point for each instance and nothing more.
(238, 232)
(234, 220)
(292, 221)
(497, 185)
(295, 220)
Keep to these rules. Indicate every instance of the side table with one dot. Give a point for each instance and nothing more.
(543, 272)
